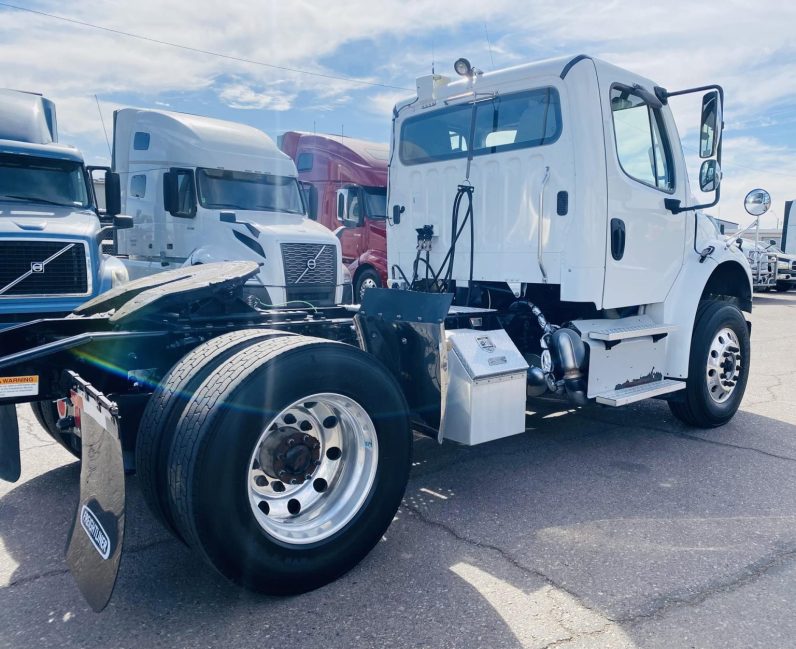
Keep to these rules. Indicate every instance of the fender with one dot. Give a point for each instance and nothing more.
(112, 273)
(376, 259)
(726, 272)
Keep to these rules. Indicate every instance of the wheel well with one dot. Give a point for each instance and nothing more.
(729, 280)
(361, 269)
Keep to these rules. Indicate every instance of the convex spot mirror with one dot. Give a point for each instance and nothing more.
(123, 222)
(757, 202)
(710, 125)
(709, 176)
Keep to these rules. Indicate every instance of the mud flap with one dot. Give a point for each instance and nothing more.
(95, 541)
(10, 465)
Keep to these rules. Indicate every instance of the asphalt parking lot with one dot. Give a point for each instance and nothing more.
(597, 528)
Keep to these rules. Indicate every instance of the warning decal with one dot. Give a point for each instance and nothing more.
(18, 386)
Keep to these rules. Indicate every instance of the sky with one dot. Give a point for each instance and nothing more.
(748, 48)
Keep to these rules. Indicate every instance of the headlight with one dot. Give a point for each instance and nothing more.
(346, 274)
(119, 275)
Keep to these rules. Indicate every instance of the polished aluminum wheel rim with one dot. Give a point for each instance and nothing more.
(366, 284)
(335, 442)
(723, 365)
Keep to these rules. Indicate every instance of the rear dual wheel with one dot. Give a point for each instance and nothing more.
(288, 462)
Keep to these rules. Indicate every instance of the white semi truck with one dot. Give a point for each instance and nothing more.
(543, 239)
(202, 190)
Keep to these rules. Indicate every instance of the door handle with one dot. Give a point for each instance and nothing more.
(617, 239)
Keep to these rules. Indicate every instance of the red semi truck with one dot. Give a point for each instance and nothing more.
(345, 184)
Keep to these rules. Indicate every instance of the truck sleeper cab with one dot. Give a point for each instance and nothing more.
(203, 190)
(346, 181)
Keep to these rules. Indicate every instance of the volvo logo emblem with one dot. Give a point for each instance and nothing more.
(311, 264)
(37, 267)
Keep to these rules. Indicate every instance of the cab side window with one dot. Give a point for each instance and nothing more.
(641, 141)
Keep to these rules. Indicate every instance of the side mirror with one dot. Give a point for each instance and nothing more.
(171, 201)
(342, 204)
(310, 196)
(397, 210)
(709, 176)
(113, 194)
(710, 126)
(757, 202)
(122, 221)
(179, 195)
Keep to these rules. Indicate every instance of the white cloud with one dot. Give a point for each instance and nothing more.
(242, 95)
(748, 48)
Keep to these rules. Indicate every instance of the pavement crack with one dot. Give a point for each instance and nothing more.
(41, 575)
(501, 553)
(644, 426)
(747, 575)
(58, 572)
(577, 636)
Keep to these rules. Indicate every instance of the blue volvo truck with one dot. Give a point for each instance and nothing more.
(50, 226)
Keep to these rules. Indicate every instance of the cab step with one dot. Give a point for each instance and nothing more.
(639, 392)
(636, 327)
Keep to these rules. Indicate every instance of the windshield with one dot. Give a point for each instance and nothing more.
(504, 123)
(241, 190)
(375, 202)
(43, 180)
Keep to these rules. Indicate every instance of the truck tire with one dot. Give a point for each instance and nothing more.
(368, 278)
(46, 413)
(168, 402)
(290, 462)
(783, 287)
(718, 369)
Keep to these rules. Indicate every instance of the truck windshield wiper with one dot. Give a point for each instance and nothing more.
(36, 199)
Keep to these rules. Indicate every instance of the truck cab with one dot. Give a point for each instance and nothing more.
(202, 190)
(559, 189)
(50, 226)
(346, 189)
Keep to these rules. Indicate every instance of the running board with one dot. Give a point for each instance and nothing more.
(637, 327)
(639, 392)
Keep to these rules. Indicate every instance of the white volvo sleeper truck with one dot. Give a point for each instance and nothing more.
(542, 238)
(202, 190)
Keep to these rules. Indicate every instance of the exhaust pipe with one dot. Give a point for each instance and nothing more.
(568, 355)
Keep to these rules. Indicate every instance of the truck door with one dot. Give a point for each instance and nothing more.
(644, 166)
(351, 218)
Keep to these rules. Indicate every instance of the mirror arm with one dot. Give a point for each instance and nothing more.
(674, 205)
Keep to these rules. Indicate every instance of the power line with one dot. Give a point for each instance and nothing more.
(197, 50)
(104, 130)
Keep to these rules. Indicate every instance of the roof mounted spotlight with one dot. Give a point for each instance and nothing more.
(463, 68)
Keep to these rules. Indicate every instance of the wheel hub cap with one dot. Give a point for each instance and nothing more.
(289, 455)
(723, 365)
(312, 468)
